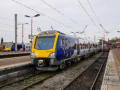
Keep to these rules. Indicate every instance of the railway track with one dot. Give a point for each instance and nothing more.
(38, 82)
(56, 84)
(87, 80)
(19, 79)
(100, 74)
(31, 80)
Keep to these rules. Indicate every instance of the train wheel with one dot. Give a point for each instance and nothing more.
(78, 59)
(62, 66)
(68, 63)
(75, 60)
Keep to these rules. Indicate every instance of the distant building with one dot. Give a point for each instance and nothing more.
(118, 44)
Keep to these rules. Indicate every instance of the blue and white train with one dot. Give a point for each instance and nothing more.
(52, 50)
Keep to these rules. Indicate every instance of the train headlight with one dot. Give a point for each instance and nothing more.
(33, 55)
(52, 55)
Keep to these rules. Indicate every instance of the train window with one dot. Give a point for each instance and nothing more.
(44, 42)
(8, 45)
(75, 46)
(63, 42)
(67, 43)
(82, 46)
(78, 46)
(72, 44)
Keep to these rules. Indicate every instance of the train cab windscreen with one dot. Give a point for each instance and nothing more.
(44, 42)
(8, 45)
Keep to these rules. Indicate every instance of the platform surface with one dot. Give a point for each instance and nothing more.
(13, 52)
(111, 79)
(14, 62)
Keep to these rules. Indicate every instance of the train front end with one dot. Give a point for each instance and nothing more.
(8, 46)
(43, 50)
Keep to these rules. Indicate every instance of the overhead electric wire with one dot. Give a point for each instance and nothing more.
(39, 12)
(89, 15)
(86, 12)
(93, 11)
(84, 29)
(50, 6)
(58, 11)
(104, 28)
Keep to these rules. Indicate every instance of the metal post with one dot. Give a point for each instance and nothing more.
(15, 32)
(102, 44)
(31, 29)
(22, 37)
(75, 35)
(94, 38)
(51, 27)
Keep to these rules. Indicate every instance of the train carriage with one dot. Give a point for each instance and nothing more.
(52, 50)
(11, 47)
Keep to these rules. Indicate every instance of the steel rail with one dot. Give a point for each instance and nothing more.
(32, 75)
(97, 76)
(83, 72)
(39, 82)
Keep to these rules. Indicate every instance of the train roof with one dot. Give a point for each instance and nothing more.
(52, 31)
(55, 31)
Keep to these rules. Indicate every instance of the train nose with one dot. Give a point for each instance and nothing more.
(42, 54)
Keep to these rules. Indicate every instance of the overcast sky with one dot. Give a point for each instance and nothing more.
(64, 15)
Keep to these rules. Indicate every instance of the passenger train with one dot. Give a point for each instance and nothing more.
(11, 47)
(52, 50)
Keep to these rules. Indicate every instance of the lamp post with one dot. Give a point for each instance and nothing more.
(22, 34)
(37, 15)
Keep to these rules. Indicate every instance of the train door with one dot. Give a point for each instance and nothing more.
(75, 48)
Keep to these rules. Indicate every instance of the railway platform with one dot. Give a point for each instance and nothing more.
(14, 54)
(111, 79)
(8, 63)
